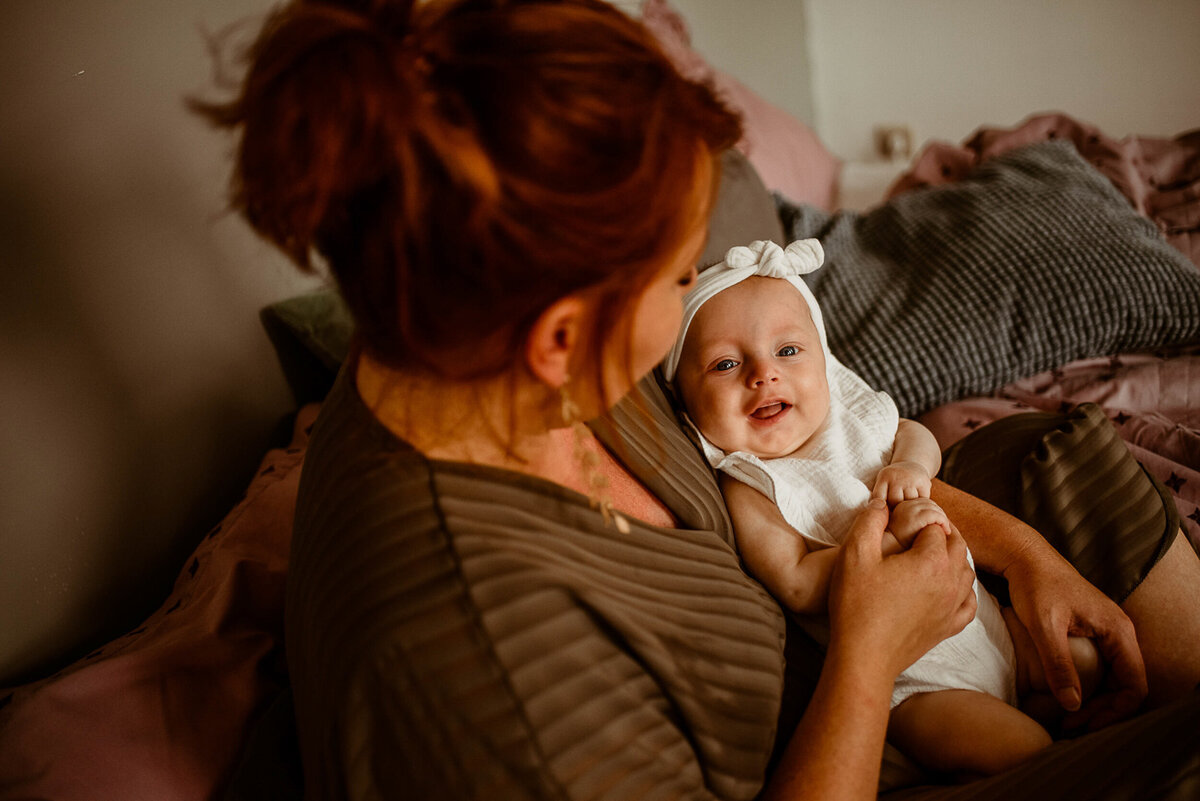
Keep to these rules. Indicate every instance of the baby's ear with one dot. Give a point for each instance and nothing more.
(552, 340)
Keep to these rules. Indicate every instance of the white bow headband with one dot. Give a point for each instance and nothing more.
(759, 258)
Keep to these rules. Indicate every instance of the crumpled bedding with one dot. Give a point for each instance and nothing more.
(1152, 398)
(1159, 176)
(1031, 261)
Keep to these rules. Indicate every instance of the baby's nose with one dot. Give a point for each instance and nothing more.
(762, 373)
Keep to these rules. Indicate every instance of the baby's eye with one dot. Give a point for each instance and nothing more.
(789, 350)
(724, 365)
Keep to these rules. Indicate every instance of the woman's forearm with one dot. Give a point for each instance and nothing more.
(997, 539)
(835, 752)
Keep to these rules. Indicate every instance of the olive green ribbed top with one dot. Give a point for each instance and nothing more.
(458, 631)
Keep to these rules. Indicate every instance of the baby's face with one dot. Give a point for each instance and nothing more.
(752, 370)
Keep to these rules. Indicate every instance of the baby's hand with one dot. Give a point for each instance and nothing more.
(909, 517)
(902, 481)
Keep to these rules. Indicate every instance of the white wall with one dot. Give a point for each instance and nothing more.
(763, 43)
(946, 67)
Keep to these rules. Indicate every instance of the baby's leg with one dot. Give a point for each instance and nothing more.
(964, 733)
(1036, 698)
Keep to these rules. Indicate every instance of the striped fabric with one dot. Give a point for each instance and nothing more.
(1032, 261)
(456, 631)
(1072, 478)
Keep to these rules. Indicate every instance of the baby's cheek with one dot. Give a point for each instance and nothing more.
(707, 418)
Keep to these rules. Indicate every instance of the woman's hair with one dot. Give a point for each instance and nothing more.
(461, 165)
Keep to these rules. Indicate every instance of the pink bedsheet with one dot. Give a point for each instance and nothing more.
(1153, 399)
(1160, 177)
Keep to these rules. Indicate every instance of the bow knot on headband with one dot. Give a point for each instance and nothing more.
(761, 258)
(799, 258)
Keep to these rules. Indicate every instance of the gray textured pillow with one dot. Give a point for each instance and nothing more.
(1032, 261)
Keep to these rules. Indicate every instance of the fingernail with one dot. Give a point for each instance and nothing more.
(876, 503)
(1071, 700)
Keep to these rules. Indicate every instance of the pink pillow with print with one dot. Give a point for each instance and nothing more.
(786, 153)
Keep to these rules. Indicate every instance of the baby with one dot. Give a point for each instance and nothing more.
(802, 444)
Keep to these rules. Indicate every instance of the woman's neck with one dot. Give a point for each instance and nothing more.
(502, 422)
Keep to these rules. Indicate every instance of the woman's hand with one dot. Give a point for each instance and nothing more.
(890, 610)
(1054, 602)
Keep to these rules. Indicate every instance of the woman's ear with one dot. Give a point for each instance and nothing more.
(552, 340)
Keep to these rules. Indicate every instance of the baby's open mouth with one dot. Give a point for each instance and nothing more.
(770, 410)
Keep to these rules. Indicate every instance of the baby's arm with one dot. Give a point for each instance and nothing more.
(916, 458)
(777, 555)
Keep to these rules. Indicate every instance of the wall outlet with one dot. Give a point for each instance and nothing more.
(894, 142)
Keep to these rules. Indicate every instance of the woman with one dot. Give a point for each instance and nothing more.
(488, 598)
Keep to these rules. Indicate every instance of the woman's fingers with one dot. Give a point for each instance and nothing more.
(866, 533)
(932, 542)
(891, 610)
(956, 548)
(1127, 674)
(1124, 688)
(1059, 669)
(1057, 603)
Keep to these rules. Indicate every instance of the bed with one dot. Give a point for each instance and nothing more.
(1033, 267)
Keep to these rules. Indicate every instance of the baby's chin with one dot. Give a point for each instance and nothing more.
(777, 454)
(762, 451)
